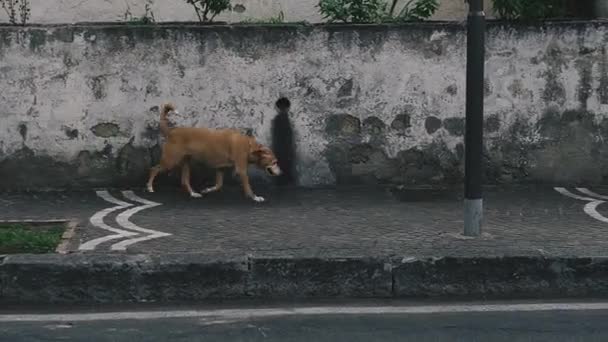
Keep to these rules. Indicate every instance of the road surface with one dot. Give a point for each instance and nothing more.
(388, 321)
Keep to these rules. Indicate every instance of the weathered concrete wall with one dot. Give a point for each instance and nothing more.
(79, 105)
(70, 11)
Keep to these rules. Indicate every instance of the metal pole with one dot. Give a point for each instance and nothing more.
(473, 203)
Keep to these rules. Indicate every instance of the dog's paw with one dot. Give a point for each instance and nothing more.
(195, 195)
(258, 199)
(208, 190)
(149, 189)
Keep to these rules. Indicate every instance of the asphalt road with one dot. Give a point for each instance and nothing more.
(438, 322)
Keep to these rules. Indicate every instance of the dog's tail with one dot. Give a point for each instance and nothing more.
(164, 122)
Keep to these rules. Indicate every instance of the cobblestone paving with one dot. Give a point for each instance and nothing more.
(337, 222)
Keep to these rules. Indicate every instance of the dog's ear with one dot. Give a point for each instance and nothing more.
(254, 146)
(258, 150)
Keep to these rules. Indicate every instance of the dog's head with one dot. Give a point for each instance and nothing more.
(264, 158)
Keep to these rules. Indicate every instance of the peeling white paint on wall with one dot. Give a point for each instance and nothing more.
(84, 94)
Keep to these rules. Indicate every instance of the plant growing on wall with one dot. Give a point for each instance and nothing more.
(371, 11)
(530, 9)
(207, 10)
(352, 11)
(18, 11)
(414, 10)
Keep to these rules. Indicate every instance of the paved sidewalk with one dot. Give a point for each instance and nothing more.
(354, 222)
(365, 242)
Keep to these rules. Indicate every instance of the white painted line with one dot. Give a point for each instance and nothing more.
(591, 193)
(236, 314)
(123, 220)
(565, 192)
(591, 210)
(591, 207)
(97, 221)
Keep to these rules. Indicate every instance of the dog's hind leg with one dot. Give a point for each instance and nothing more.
(219, 182)
(170, 158)
(186, 180)
(154, 171)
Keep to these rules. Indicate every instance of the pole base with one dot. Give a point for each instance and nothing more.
(473, 215)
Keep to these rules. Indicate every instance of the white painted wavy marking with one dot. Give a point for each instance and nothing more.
(591, 210)
(123, 220)
(591, 207)
(591, 193)
(97, 221)
(565, 192)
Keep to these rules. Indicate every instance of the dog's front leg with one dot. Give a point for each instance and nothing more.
(219, 182)
(186, 180)
(247, 187)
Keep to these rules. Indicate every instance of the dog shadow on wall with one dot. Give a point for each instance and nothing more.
(283, 143)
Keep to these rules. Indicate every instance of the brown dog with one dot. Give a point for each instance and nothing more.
(217, 148)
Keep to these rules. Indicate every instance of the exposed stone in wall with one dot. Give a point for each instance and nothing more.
(374, 125)
(343, 125)
(432, 124)
(106, 130)
(454, 126)
(492, 123)
(370, 104)
(401, 122)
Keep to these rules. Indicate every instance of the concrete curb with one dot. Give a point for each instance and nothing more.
(91, 278)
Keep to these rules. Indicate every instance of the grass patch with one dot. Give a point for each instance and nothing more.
(24, 238)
